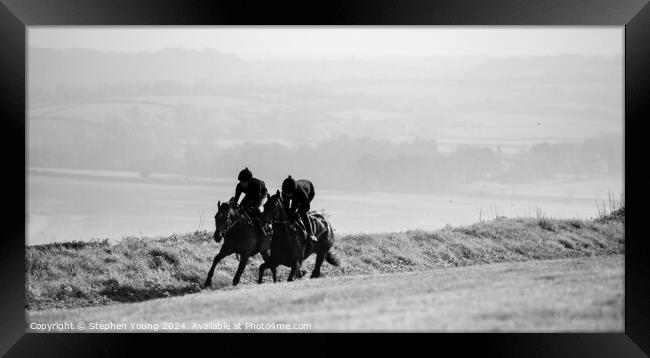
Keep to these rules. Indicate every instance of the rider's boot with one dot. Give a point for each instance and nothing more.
(263, 229)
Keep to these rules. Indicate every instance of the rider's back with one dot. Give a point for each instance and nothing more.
(306, 186)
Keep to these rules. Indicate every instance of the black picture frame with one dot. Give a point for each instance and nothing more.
(16, 15)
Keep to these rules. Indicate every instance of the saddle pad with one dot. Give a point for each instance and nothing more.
(318, 223)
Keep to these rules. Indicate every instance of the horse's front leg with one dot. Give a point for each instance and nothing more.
(299, 271)
(266, 256)
(292, 273)
(217, 258)
(263, 268)
(295, 270)
(242, 265)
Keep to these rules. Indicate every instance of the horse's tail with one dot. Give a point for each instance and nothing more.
(332, 259)
(329, 256)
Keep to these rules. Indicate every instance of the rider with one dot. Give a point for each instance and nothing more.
(301, 193)
(255, 195)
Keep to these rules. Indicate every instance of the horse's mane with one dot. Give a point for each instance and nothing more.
(276, 199)
(225, 205)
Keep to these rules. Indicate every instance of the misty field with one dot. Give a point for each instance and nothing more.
(70, 205)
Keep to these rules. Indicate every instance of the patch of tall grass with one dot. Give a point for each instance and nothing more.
(612, 208)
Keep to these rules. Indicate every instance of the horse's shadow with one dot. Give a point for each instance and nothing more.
(128, 293)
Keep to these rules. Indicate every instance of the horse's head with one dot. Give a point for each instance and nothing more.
(272, 207)
(224, 219)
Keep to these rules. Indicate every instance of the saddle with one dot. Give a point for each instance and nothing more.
(246, 213)
(255, 222)
(317, 221)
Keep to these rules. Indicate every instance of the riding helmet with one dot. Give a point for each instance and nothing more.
(245, 175)
(289, 185)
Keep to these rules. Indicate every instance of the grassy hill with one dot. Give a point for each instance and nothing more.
(77, 274)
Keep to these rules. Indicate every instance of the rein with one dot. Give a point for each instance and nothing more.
(280, 208)
(234, 222)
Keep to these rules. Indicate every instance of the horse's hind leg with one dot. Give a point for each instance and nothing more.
(273, 271)
(217, 258)
(295, 271)
(242, 265)
(320, 256)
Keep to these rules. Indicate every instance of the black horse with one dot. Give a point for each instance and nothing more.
(288, 245)
(240, 237)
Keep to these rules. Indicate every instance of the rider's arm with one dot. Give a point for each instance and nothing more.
(238, 191)
(263, 198)
(263, 195)
(262, 202)
(289, 205)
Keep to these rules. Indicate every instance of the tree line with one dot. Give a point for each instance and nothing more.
(345, 162)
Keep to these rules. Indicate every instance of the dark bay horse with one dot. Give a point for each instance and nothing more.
(288, 245)
(239, 237)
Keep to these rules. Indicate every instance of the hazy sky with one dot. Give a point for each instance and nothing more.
(301, 42)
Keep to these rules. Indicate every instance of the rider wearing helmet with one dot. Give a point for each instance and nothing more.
(300, 193)
(255, 194)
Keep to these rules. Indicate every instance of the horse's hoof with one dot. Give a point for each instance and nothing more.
(207, 284)
(314, 275)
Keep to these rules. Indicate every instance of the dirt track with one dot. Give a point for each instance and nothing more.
(584, 294)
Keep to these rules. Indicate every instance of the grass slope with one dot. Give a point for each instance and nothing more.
(579, 294)
(77, 274)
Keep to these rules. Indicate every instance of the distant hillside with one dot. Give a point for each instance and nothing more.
(50, 68)
(82, 67)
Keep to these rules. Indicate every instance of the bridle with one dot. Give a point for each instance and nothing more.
(229, 226)
(279, 206)
(230, 223)
(278, 202)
